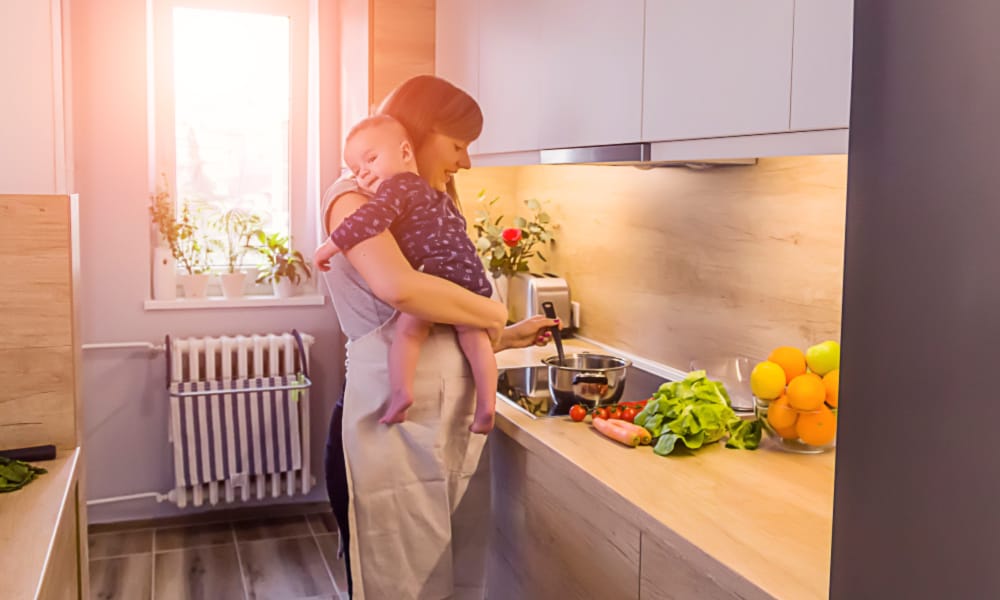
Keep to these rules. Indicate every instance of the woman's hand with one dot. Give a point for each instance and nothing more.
(531, 331)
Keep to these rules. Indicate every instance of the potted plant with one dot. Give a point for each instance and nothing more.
(193, 248)
(507, 250)
(186, 245)
(167, 250)
(237, 229)
(285, 267)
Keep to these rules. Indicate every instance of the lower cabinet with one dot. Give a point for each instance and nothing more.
(556, 534)
(62, 578)
(667, 574)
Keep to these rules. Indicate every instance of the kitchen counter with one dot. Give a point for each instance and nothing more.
(765, 515)
(32, 524)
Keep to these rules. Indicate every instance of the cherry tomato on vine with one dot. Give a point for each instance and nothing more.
(577, 413)
(629, 414)
(601, 413)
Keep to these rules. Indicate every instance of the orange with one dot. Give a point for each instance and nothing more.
(780, 414)
(806, 392)
(767, 380)
(791, 360)
(817, 428)
(832, 383)
(787, 433)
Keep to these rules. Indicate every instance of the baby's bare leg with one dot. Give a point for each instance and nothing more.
(404, 353)
(479, 352)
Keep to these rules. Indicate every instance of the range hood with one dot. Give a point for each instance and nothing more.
(637, 155)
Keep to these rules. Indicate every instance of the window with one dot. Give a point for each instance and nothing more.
(230, 113)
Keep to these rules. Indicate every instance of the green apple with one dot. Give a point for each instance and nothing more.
(823, 357)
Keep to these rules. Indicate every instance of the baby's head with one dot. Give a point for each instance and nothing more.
(376, 149)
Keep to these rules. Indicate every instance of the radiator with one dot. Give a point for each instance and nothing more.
(239, 417)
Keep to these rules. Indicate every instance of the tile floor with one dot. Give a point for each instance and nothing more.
(279, 558)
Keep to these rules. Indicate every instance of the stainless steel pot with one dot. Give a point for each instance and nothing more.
(588, 379)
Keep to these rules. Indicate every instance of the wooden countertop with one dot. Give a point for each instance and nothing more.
(28, 520)
(765, 514)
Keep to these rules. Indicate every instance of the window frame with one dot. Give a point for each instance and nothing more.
(162, 130)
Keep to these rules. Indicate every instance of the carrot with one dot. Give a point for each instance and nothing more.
(618, 434)
(644, 436)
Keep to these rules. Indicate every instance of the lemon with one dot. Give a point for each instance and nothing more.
(767, 380)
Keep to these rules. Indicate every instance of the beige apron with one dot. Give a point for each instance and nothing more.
(418, 528)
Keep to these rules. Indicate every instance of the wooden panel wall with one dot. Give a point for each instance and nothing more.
(38, 340)
(674, 264)
(402, 38)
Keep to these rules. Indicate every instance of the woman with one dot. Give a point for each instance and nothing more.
(413, 526)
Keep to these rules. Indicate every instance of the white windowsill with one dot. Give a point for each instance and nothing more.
(244, 302)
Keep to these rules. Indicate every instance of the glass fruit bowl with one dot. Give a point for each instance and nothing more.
(795, 430)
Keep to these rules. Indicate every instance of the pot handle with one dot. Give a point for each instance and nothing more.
(600, 378)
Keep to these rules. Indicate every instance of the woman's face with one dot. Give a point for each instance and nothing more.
(440, 157)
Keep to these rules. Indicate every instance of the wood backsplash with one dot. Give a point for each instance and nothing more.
(674, 264)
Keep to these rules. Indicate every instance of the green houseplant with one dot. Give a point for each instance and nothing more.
(237, 228)
(186, 243)
(285, 267)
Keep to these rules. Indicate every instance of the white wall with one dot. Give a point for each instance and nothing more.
(125, 424)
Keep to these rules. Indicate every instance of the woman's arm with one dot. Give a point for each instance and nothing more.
(382, 265)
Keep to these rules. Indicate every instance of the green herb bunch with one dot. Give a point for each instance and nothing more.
(15, 474)
(182, 236)
(282, 261)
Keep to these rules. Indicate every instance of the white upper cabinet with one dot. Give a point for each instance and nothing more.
(456, 48)
(821, 72)
(716, 68)
(509, 75)
(34, 149)
(591, 72)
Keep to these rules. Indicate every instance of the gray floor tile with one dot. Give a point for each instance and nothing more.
(284, 569)
(329, 544)
(211, 572)
(123, 578)
(323, 523)
(193, 536)
(279, 527)
(120, 543)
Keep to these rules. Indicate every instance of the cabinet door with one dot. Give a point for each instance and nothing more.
(667, 574)
(456, 47)
(821, 72)
(591, 82)
(716, 68)
(61, 580)
(509, 75)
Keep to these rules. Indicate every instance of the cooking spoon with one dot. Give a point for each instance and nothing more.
(550, 312)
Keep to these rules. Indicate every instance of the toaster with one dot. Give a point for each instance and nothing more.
(527, 291)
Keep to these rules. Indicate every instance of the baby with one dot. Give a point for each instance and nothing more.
(431, 232)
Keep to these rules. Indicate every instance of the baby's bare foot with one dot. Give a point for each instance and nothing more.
(396, 411)
(482, 423)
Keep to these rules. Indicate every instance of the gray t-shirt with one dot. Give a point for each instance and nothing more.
(358, 310)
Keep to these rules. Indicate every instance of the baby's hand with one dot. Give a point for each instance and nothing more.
(324, 253)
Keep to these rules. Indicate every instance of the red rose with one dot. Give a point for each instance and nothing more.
(511, 236)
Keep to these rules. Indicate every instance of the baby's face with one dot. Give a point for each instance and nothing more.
(376, 154)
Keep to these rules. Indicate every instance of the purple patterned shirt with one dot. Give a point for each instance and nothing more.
(427, 226)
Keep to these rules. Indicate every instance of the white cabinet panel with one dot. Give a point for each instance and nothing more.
(716, 68)
(821, 72)
(456, 47)
(32, 126)
(509, 69)
(591, 80)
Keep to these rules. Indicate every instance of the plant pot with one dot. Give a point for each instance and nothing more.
(284, 288)
(194, 286)
(164, 274)
(233, 284)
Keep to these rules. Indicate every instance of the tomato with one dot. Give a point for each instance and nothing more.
(577, 413)
(615, 412)
(629, 414)
(601, 413)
